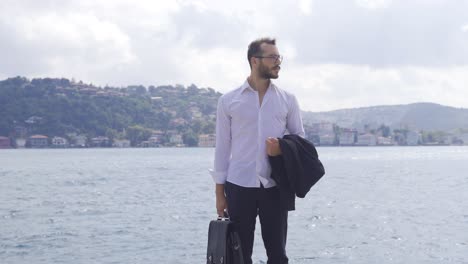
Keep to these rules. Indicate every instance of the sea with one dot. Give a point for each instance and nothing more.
(374, 205)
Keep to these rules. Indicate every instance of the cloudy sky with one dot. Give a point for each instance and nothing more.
(338, 53)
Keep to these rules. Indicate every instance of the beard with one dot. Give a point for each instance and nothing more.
(268, 73)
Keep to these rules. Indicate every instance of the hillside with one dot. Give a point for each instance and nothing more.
(62, 107)
(59, 107)
(417, 116)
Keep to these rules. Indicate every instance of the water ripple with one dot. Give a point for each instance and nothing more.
(375, 205)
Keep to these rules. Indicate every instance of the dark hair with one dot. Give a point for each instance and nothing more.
(255, 49)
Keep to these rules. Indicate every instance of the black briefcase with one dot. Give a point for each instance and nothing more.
(224, 245)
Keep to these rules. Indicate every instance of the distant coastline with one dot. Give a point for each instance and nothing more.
(195, 147)
(62, 113)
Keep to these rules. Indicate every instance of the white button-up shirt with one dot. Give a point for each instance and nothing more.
(242, 127)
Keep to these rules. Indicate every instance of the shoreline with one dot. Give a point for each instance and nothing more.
(173, 147)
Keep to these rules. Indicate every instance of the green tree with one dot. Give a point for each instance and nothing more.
(136, 134)
(385, 130)
(190, 139)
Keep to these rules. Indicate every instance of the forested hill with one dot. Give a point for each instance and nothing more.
(417, 116)
(60, 107)
(57, 107)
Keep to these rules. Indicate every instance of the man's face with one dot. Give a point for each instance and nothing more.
(269, 64)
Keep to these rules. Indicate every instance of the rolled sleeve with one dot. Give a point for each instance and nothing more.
(294, 122)
(219, 177)
(223, 144)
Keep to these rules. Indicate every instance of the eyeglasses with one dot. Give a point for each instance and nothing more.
(275, 58)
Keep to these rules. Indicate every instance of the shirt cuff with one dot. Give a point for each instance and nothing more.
(219, 177)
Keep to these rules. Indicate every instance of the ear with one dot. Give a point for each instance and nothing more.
(253, 61)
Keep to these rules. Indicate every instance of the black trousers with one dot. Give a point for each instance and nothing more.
(244, 204)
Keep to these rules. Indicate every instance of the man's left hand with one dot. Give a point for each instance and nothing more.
(273, 147)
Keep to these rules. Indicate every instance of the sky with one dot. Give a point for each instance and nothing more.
(337, 53)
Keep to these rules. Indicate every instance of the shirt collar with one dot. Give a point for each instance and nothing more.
(246, 86)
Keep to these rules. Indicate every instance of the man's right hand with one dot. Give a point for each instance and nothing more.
(221, 203)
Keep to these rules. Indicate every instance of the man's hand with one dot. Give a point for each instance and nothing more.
(273, 147)
(221, 203)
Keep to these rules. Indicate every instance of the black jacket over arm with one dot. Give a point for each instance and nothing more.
(296, 170)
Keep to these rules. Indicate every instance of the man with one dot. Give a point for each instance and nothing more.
(249, 121)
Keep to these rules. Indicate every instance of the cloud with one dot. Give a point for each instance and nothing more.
(373, 4)
(465, 28)
(336, 86)
(305, 6)
(413, 33)
(206, 29)
(337, 53)
(63, 45)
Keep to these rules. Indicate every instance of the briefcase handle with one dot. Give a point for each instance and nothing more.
(225, 217)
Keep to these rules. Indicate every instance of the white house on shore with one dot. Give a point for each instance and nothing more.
(207, 140)
(384, 141)
(366, 140)
(327, 140)
(323, 128)
(121, 143)
(21, 142)
(38, 141)
(59, 142)
(176, 139)
(347, 138)
(100, 141)
(5, 142)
